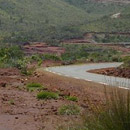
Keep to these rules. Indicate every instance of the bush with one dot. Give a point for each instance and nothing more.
(51, 57)
(72, 98)
(34, 86)
(38, 58)
(69, 110)
(47, 95)
(21, 64)
(9, 55)
(126, 61)
(11, 102)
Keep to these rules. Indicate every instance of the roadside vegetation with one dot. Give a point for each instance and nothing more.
(34, 86)
(113, 115)
(89, 53)
(11, 102)
(47, 95)
(9, 55)
(126, 61)
(72, 98)
(116, 114)
(13, 56)
(69, 110)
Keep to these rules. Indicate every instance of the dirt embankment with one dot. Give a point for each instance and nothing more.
(21, 110)
(117, 72)
(41, 48)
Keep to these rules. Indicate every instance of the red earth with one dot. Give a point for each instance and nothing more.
(42, 48)
(21, 110)
(117, 72)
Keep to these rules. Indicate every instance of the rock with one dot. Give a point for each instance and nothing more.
(3, 84)
(16, 117)
(62, 94)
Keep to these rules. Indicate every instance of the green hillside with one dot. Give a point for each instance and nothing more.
(34, 20)
(108, 24)
(102, 12)
(97, 9)
(52, 20)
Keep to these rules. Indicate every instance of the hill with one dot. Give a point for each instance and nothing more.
(52, 20)
(34, 20)
(98, 8)
(109, 24)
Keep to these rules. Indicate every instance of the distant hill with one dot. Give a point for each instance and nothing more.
(108, 24)
(96, 8)
(116, 1)
(52, 20)
(27, 19)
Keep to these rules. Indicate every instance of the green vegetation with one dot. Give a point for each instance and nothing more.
(13, 56)
(41, 57)
(9, 55)
(11, 102)
(108, 24)
(111, 38)
(37, 58)
(126, 61)
(69, 110)
(42, 20)
(52, 21)
(47, 95)
(22, 65)
(114, 116)
(51, 57)
(97, 9)
(86, 53)
(34, 86)
(71, 98)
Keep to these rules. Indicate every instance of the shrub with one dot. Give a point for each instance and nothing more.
(9, 55)
(34, 86)
(116, 58)
(22, 65)
(47, 95)
(126, 61)
(72, 98)
(69, 110)
(51, 57)
(38, 58)
(11, 102)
